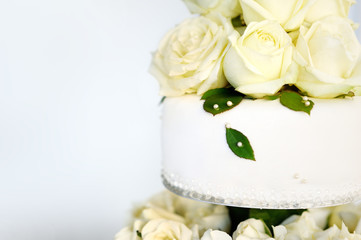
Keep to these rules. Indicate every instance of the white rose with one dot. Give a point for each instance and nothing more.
(159, 229)
(169, 206)
(301, 227)
(321, 216)
(164, 200)
(348, 214)
(358, 227)
(279, 232)
(330, 58)
(260, 62)
(251, 229)
(215, 235)
(289, 13)
(159, 206)
(335, 233)
(228, 8)
(130, 232)
(325, 8)
(189, 58)
(152, 212)
(204, 215)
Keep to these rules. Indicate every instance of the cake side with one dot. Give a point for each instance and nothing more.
(302, 161)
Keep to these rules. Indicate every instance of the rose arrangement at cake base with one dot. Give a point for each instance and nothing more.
(168, 216)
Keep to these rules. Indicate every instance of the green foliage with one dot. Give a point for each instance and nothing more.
(350, 94)
(217, 91)
(162, 100)
(237, 215)
(239, 144)
(273, 217)
(272, 97)
(237, 22)
(221, 99)
(296, 102)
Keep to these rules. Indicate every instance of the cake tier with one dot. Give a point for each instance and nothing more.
(302, 161)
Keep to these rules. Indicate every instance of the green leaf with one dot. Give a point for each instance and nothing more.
(349, 94)
(221, 100)
(267, 229)
(139, 234)
(269, 217)
(249, 97)
(237, 215)
(217, 91)
(162, 100)
(296, 102)
(271, 98)
(239, 144)
(273, 217)
(237, 22)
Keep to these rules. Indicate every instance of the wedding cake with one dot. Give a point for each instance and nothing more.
(262, 105)
(262, 112)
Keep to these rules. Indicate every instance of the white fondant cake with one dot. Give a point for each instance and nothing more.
(302, 161)
(301, 65)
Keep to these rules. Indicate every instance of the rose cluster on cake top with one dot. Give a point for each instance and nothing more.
(259, 48)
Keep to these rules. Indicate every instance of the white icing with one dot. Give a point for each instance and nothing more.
(322, 150)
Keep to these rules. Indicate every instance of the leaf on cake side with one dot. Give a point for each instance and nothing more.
(221, 99)
(239, 144)
(296, 102)
(139, 234)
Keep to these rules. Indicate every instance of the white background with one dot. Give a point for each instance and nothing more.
(79, 114)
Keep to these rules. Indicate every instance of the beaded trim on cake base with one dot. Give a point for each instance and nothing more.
(265, 200)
